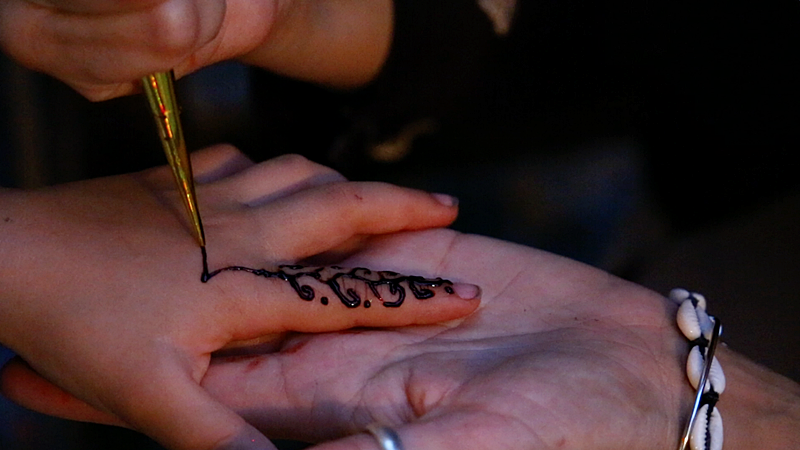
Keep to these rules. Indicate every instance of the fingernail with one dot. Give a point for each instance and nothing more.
(248, 439)
(445, 199)
(467, 291)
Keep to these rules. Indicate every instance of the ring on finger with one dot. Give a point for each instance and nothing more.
(387, 438)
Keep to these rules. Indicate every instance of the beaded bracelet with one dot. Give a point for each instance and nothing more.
(704, 429)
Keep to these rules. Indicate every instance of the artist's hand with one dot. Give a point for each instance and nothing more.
(101, 47)
(100, 287)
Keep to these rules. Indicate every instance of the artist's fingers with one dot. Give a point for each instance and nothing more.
(274, 178)
(341, 43)
(22, 385)
(102, 49)
(320, 218)
(96, 6)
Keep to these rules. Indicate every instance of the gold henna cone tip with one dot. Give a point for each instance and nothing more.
(467, 291)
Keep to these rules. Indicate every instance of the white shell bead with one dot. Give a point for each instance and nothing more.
(716, 377)
(701, 300)
(694, 366)
(678, 295)
(688, 322)
(707, 434)
(694, 370)
(706, 322)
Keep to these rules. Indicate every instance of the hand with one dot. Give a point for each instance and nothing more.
(100, 287)
(101, 48)
(560, 355)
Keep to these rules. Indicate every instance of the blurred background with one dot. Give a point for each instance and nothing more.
(653, 141)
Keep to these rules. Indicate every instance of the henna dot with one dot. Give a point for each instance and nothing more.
(367, 303)
(324, 300)
(448, 289)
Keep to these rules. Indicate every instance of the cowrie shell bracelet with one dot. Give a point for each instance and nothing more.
(704, 429)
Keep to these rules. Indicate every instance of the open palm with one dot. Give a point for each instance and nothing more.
(560, 355)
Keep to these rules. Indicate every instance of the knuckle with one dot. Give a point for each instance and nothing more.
(346, 194)
(292, 160)
(305, 168)
(175, 29)
(227, 151)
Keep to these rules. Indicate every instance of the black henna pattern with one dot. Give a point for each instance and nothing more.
(294, 274)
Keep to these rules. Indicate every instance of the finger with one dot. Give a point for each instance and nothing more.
(313, 388)
(169, 406)
(102, 53)
(274, 178)
(360, 441)
(318, 219)
(341, 43)
(97, 6)
(458, 430)
(208, 165)
(22, 385)
(427, 251)
(309, 299)
(218, 162)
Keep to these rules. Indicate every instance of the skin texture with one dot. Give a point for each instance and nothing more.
(559, 356)
(101, 48)
(101, 290)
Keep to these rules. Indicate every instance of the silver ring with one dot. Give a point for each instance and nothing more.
(386, 436)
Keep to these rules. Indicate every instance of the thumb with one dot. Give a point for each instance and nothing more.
(173, 409)
(23, 386)
(180, 417)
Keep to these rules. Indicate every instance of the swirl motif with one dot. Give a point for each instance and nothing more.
(294, 275)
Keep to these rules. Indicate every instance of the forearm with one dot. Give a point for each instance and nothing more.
(760, 408)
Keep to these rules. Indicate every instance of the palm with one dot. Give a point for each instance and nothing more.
(560, 355)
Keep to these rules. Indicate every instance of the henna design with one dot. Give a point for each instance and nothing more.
(294, 274)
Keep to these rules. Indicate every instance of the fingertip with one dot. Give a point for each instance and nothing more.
(248, 439)
(445, 199)
(467, 291)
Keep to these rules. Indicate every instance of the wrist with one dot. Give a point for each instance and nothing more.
(761, 409)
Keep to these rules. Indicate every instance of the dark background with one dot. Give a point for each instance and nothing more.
(651, 140)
